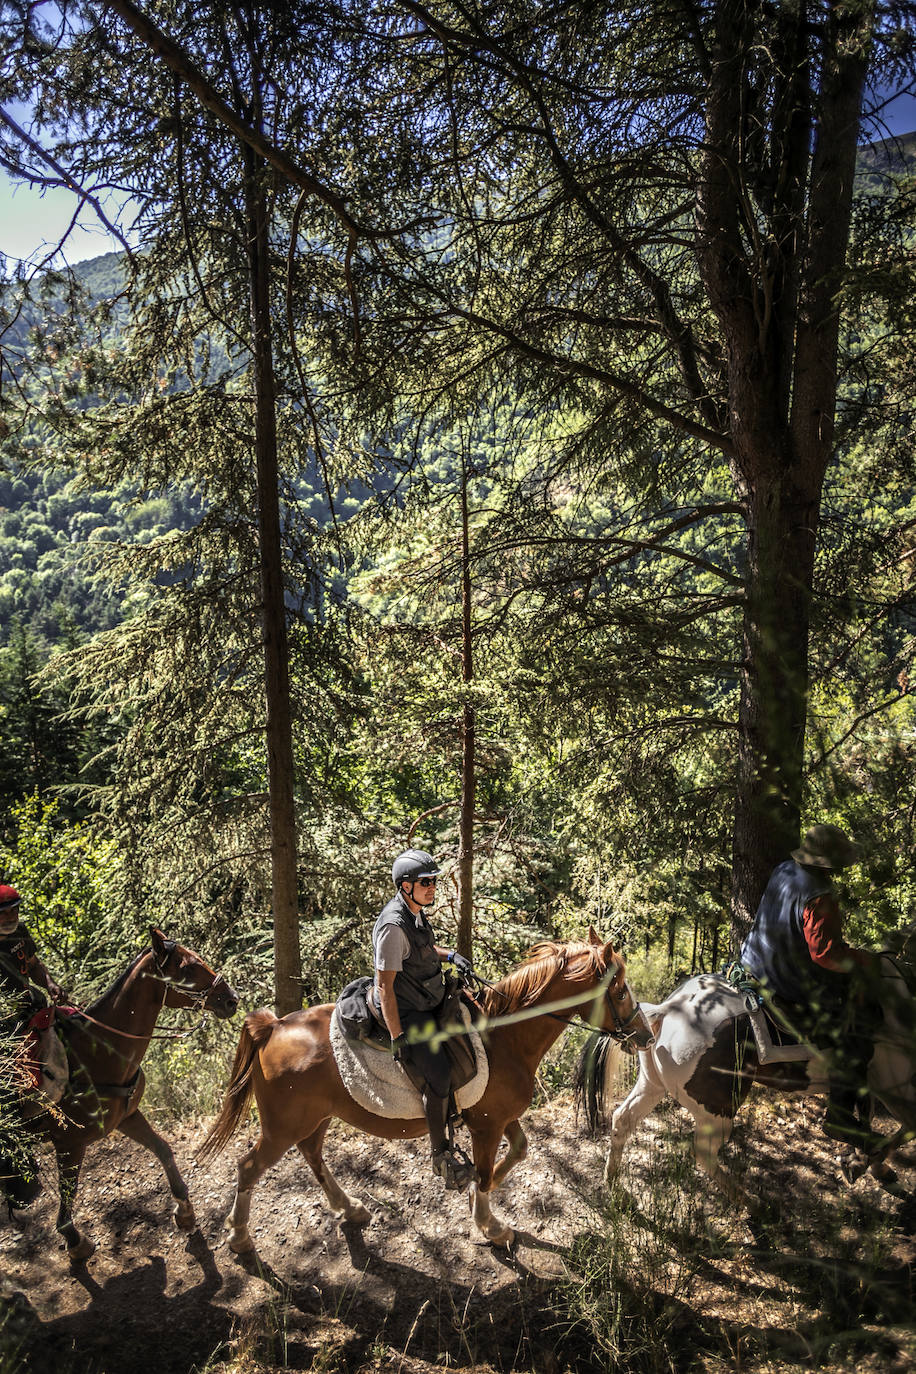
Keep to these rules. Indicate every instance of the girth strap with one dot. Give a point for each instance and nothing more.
(125, 1090)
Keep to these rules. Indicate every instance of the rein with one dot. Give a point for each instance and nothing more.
(197, 995)
(129, 1035)
(620, 1033)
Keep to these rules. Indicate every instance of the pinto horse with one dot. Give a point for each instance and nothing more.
(289, 1067)
(705, 1057)
(105, 1047)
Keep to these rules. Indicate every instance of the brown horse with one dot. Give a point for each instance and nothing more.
(290, 1069)
(105, 1046)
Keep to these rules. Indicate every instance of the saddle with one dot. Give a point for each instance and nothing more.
(45, 1062)
(377, 1083)
(358, 1023)
(774, 1039)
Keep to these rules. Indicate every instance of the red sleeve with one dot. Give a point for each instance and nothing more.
(824, 934)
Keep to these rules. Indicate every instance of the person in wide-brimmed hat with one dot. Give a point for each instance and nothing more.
(827, 846)
(797, 951)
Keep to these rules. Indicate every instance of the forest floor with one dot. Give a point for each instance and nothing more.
(664, 1278)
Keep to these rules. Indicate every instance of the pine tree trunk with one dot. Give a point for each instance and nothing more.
(774, 692)
(465, 936)
(284, 884)
(780, 321)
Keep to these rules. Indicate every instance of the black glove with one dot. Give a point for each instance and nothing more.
(400, 1049)
(462, 964)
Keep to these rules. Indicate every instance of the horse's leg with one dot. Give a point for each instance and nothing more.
(710, 1135)
(343, 1206)
(638, 1103)
(485, 1147)
(517, 1151)
(136, 1127)
(69, 1162)
(251, 1167)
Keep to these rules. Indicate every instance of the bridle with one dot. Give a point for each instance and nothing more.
(621, 1032)
(197, 995)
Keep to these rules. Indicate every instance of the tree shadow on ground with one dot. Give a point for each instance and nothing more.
(510, 1328)
(131, 1324)
(827, 1265)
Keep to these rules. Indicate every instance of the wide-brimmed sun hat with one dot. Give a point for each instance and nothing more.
(827, 846)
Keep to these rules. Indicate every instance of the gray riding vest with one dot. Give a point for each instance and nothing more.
(419, 985)
(775, 950)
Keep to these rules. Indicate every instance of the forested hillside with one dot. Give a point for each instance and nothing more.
(499, 440)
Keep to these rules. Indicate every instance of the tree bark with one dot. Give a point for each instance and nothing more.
(778, 309)
(465, 935)
(283, 857)
(773, 691)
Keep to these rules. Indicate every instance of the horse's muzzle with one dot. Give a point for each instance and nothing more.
(222, 1000)
(643, 1037)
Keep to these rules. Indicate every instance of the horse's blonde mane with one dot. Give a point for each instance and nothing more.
(526, 984)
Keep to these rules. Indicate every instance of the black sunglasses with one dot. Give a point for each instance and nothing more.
(427, 882)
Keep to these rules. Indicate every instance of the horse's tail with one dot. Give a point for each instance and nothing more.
(594, 1078)
(256, 1031)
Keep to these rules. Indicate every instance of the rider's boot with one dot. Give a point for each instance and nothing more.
(453, 1168)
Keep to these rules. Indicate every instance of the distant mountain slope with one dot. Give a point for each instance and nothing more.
(891, 155)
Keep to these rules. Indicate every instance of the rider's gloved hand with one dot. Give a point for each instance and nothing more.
(400, 1049)
(462, 964)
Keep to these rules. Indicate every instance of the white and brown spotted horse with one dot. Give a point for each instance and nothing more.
(705, 1057)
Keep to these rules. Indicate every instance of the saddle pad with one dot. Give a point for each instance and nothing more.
(379, 1084)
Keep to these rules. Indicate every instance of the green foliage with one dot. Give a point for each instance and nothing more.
(608, 548)
(63, 873)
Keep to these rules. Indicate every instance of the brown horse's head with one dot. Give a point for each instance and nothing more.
(584, 978)
(618, 1012)
(189, 981)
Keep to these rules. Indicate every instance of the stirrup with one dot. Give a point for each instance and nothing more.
(454, 1168)
(852, 1164)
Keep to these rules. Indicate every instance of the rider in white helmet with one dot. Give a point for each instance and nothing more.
(408, 992)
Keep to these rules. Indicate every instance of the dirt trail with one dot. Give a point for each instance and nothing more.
(414, 1289)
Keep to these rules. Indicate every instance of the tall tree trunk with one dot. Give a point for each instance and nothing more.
(284, 885)
(774, 691)
(465, 936)
(780, 318)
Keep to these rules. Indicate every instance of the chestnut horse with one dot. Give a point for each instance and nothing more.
(105, 1047)
(288, 1066)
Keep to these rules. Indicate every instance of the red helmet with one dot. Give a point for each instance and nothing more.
(9, 897)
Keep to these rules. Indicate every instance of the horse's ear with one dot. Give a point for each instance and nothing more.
(593, 937)
(158, 939)
(610, 954)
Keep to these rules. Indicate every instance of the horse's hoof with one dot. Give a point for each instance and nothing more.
(78, 1253)
(241, 1245)
(184, 1217)
(357, 1215)
(611, 1175)
(504, 1239)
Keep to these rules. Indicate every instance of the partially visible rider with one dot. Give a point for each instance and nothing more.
(20, 970)
(20, 966)
(796, 949)
(409, 991)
